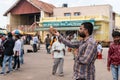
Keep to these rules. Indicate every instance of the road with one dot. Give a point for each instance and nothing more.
(38, 66)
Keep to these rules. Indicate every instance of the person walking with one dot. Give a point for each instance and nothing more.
(47, 42)
(99, 50)
(35, 41)
(113, 60)
(84, 68)
(39, 42)
(8, 53)
(17, 51)
(58, 51)
(22, 51)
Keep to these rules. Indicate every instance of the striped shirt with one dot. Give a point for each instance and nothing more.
(84, 61)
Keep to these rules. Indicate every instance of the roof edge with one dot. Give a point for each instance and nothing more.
(5, 14)
(29, 1)
(33, 4)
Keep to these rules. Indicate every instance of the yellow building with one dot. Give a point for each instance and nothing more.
(24, 13)
(117, 21)
(70, 18)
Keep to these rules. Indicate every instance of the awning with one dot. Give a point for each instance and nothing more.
(62, 28)
(71, 23)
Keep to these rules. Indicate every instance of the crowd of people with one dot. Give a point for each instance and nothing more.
(12, 50)
(85, 52)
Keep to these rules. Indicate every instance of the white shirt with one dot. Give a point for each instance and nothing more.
(58, 46)
(17, 46)
(35, 40)
(99, 48)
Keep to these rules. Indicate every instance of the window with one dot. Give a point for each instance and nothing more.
(67, 14)
(37, 17)
(76, 13)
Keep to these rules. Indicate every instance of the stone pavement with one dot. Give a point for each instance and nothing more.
(38, 66)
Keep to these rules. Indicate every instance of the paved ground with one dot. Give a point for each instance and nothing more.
(38, 66)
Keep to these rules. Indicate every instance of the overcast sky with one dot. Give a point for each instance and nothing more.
(6, 4)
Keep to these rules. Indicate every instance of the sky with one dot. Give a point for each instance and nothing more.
(6, 4)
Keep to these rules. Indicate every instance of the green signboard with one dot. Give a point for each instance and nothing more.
(66, 23)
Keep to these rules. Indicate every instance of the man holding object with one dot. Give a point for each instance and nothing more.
(84, 68)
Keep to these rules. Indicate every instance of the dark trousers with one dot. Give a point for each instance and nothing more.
(81, 79)
(48, 50)
(16, 62)
(1, 59)
(34, 47)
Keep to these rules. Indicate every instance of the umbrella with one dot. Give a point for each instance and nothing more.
(17, 31)
(3, 32)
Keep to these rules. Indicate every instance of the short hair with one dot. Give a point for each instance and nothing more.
(115, 33)
(99, 42)
(9, 34)
(88, 26)
(17, 36)
(54, 37)
(48, 35)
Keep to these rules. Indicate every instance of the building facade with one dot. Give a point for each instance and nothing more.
(30, 15)
(117, 21)
(25, 14)
(70, 18)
